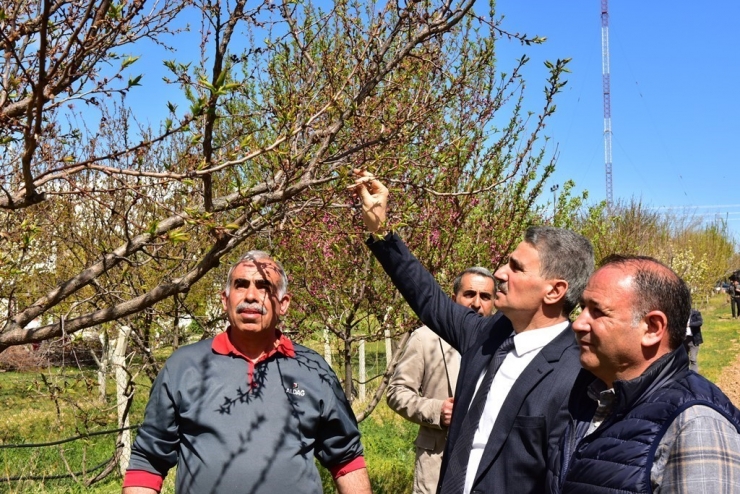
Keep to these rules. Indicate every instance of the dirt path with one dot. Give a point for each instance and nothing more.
(729, 381)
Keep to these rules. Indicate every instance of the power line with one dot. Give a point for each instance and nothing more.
(704, 206)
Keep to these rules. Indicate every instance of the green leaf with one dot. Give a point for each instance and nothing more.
(134, 81)
(197, 107)
(221, 79)
(170, 64)
(231, 86)
(204, 82)
(128, 61)
(177, 236)
(115, 11)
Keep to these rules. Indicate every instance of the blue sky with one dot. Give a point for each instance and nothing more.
(675, 98)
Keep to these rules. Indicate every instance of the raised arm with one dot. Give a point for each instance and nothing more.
(374, 196)
(458, 325)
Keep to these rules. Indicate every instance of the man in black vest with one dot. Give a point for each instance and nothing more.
(641, 420)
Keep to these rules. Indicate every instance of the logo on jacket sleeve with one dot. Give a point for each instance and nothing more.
(295, 390)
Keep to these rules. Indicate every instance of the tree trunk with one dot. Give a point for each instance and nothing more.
(327, 347)
(363, 375)
(390, 368)
(176, 328)
(122, 398)
(103, 365)
(388, 346)
(348, 368)
(147, 329)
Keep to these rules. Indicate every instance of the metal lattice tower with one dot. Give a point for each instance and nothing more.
(605, 81)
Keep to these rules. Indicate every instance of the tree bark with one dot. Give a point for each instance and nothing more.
(122, 395)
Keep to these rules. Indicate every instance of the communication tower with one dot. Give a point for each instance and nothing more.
(605, 81)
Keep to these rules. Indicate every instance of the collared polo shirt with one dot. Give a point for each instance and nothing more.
(228, 421)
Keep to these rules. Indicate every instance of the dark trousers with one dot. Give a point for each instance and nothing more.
(735, 306)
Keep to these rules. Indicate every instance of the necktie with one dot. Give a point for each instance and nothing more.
(454, 480)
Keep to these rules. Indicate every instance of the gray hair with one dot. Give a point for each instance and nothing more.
(565, 255)
(655, 286)
(255, 256)
(476, 270)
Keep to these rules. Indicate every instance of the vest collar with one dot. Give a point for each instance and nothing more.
(664, 369)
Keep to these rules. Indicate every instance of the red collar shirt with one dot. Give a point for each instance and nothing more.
(232, 424)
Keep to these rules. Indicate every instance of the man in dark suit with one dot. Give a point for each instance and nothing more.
(517, 366)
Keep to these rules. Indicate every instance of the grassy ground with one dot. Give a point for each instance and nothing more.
(721, 336)
(55, 404)
(46, 406)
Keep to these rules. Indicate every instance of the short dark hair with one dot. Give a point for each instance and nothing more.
(476, 270)
(565, 255)
(657, 287)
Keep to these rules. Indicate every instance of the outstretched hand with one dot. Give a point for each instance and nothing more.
(374, 197)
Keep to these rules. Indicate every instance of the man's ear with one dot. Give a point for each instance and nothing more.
(224, 298)
(556, 291)
(284, 304)
(656, 328)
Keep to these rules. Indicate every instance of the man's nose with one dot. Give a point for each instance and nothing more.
(251, 294)
(500, 274)
(580, 323)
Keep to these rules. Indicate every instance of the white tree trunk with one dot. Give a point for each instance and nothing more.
(363, 376)
(388, 346)
(327, 347)
(103, 365)
(122, 379)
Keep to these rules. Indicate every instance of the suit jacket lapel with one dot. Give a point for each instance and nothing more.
(529, 378)
(471, 368)
(540, 366)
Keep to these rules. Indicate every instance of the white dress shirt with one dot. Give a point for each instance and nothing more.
(527, 345)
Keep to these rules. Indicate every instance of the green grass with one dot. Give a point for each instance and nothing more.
(54, 404)
(721, 336)
(63, 404)
(45, 407)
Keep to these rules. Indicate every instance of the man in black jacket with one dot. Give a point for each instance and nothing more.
(693, 339)
(732, 291)
(517, 366)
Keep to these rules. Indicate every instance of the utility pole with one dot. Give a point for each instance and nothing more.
(606, 86)
(554, 189)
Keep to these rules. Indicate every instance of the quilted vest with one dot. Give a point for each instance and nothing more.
(618, 456)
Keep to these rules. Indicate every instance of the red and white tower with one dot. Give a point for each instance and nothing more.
(605, 81)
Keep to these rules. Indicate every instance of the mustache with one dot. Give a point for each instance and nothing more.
(245, 306)
(502, 286)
